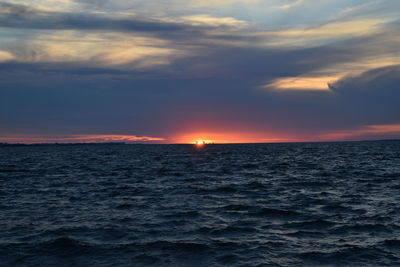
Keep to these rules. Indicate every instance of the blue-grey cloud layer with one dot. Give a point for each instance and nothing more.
(220, 78)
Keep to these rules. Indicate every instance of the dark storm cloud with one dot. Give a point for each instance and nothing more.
(146, 103)
(372, 97)
(383, 80)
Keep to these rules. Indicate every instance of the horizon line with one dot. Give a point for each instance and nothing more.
(147, 143)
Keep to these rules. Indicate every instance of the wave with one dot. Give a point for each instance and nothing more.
(352, 255)
(275, 213)
(224, 205)
(314, 224)
(363, 228)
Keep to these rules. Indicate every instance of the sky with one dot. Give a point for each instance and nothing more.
(176, 71)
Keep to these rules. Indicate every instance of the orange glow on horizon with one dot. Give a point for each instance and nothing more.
(219, 136)
(237, 137)
(201, 139)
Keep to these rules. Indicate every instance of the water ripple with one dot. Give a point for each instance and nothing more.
(326, 204)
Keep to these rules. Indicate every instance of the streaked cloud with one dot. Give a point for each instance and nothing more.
(204, 19)
(5, 56)
(301, 83)
(41, 5)
(290, 5)
(98, 138)
(324, 33)
(29, 17)
(101, 49)
(365, 132)
(351, 56)
(221, 2)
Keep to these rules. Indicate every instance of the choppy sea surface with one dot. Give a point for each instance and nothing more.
(309, 204)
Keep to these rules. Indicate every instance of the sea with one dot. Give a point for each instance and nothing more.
(294, 204)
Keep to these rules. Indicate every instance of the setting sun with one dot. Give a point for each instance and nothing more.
(202, 142)
(227, 137)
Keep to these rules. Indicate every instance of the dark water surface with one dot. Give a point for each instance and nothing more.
(224, 205)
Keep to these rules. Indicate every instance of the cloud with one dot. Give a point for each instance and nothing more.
(205, 19)
(372, 132)
(6, 56)
(379, 80)
(217, 107)
(221, 2)
(293, 4)
(383, 9)
(27, 6)
(198, 70)
(347, 57)
(101, 49)
(300, 83)
(97, 138)
(28, 17)
(324, 33)
(371, 98)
